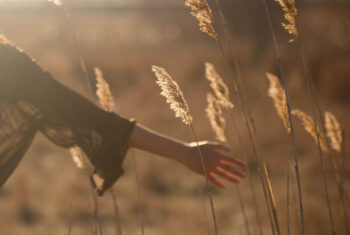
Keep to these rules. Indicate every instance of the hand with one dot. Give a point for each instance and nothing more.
(217, 162)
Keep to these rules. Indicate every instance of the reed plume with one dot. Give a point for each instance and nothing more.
(203, 13)
(309, 126)
(103, 92)
(219, 87)
(56, 2)
(77, 156)
(173, 94)
(334, 132)
(217, 121)
(290, 13)
(276, 92)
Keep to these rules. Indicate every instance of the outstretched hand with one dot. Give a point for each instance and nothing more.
(217, 162)
(215, 155)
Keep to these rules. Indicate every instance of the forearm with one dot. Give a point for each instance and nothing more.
(216, 162)
(151, 141)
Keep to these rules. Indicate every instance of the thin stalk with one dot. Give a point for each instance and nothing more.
(261, 162)
(94, 196)
(292, 132)
(88, 81)
(70, 217)
(139, 199)
(245, 217)
(70, 209)
(251, 184)
(79, 51)
(335, 168)
(247, 116)
(118, 227)
(241, 201)
(207, 181)
(308, 80)
(315, 104)
(342, 173)
(295, 196)
(288, 198)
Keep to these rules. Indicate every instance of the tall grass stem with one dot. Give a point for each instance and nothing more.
(139, 199)
(207, 180)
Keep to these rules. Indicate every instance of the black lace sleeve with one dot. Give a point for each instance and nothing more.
(31, 100)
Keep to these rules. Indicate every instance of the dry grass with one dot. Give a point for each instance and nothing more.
(103, 92)
(219, 87)
(173, 94)
(309, 127)
(334, 132)
(165, 185)
(216, 119)
(276, 92)
(203, 13)
(290, 13)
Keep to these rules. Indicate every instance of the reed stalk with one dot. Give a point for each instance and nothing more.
(88, 81)
(175, 98)
(118, 226)
(211, 201)
(316, 113)
(291, 20)
(139, 199)
(217, 121)
(251, 184)
(247, 116)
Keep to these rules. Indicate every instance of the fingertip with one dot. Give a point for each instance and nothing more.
(217, 182)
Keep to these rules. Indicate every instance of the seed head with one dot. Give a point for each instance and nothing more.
(217, 121)
(203, 13)
(173, 94)
(276, 92)
(103, 92)
(290, 13)
(309, 126)
(219, 87)
(334, 132)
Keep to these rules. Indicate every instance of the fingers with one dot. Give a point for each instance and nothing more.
(227, 175)
(232, 161)
(232, 170)
(215, 180)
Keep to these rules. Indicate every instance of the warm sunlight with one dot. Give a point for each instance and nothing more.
(175, 117)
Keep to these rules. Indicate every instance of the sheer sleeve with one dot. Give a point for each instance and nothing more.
(34, 101)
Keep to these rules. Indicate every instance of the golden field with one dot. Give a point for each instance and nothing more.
(47, 193)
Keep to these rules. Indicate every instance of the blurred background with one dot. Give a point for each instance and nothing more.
(124, 38)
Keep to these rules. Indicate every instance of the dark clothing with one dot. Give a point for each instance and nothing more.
(31, 101)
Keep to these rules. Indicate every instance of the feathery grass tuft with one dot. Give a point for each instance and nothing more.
(276, 92)
(217, 121)
(103, 92)
(173, 94)
(309, 126)
(290, 13)
(334, 132)
(219, 87)
(203, 13)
